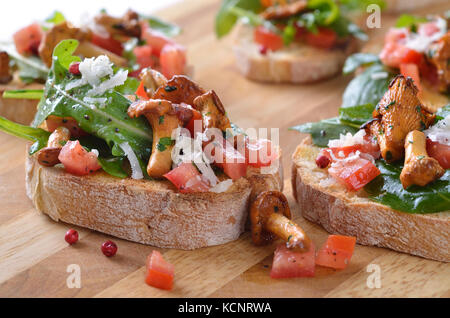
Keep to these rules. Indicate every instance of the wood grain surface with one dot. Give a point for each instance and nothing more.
(34, 256)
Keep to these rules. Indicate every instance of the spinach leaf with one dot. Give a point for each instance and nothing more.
(38, 135)
(409, 21)
(325, 130)
(344, 27)
(388, 190)
(109, 122)
(367, 87)
(166, 28)
(327, 11)
(226, 18)
(443, 112)
(357, 60)
(356, 115)
(23, 94)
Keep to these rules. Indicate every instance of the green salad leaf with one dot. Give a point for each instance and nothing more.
(367, 87)
(23, 94)
(166, 28)
(37, 135)
(30, 68)
(356, 115)
(358, 60)
(226, 18)
(388, 190)
(409, 21)
(443, 112)
(55, 18)
(108, 122)
(325, 130)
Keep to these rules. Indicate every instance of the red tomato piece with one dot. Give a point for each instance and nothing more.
(160, 273)
(196, 116)
(173, 60)
(109, 44)
(439, 152)
(187, 179)
(155, 39)
(267, 38)
(54, 122)
(411, 70)
(354, 174)
(260, 153)
(412, 57)
(324, 39)
(141, 93)
(369, 147)
(28, 39)
(336, 252)
(144, 56)
(77, 160)
(232, 162)
(428, 28)
(288, 263)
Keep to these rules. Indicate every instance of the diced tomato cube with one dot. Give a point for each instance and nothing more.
(196, 117)
(155, 39)
(260, 153)
(144, 56)
(428, 29)
(267, 38)
(225, 156)
(160, 274)
(109, 44)
(324, 39)
(288, 263)
(28, 39)
(354, 174)
(187, 179)
(412, 57)
(440, 152)
(336, 252)
(77, 160)
(173, 60)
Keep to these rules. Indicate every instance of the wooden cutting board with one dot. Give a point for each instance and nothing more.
(34, 257)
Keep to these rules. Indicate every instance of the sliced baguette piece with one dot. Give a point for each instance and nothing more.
(146, 211)
(400, 6)
(322, 200)
(298, 64)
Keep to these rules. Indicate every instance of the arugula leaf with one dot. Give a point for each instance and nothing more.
(327, 11)
(38, 135)
(325, 130)
(409, 21)
(226, 17)
(56, 18)
(109, 122)
(23, 94)
(64, 53)
(166, 28)
(357, 60)
(356, 115)
(388, 190)
(366, 88)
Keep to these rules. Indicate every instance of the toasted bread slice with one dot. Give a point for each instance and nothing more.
(296, 64)
(400, 6)
(21, 111)
(146, 211)
(322, 200)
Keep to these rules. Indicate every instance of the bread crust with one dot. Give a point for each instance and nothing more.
(399, 6)
(298, 64)
(348, 213)
(145, 211)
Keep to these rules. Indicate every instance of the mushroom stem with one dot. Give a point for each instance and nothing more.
(48, 156)
(270, 216)
(288, 231)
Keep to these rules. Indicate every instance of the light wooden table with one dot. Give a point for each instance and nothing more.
(34, 256)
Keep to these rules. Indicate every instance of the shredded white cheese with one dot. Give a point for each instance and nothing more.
(379, 75)
(420, 42)
(348, 140)
(136, 171)
(440, 132)
(222, 186)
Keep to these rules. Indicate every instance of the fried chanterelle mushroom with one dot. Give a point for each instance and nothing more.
(128, 25)
(439, 55)
(284, 9)
(399, 112)
(419, 169)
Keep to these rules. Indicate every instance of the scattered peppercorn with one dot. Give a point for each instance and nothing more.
(109, 248)
(71, 236)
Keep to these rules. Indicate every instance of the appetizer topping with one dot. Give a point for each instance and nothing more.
(440, 132)
(323, 161)
(160, 273)
(75, 68)
(212, 111)
(336, 252)
(109, 248)
(427, 34)
(399, 112)
(136, 171)
(188, 179)
(77, 160)
(348, 140)
(28, 39)
(179, 89)
(48, 156)
(419, 168)
(5, 75)
(128, 25)
(440, 152)
(288, 263)
(160, 161)
(270, 216)
(151, 81)
(284, 10)
(71, 236)
(440, 59)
